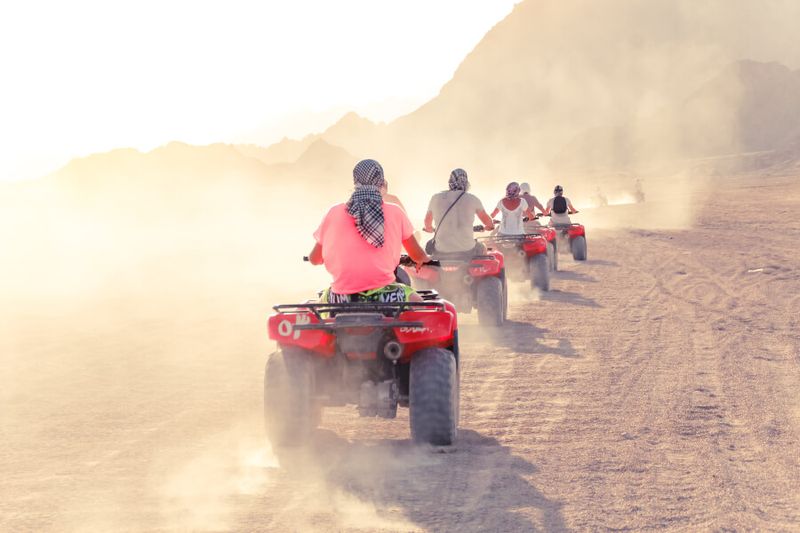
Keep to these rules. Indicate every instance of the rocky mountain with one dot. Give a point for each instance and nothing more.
(285, 151)
(359, 134)
(552, 70)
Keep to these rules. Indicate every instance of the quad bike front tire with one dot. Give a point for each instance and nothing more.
(290, 414)
(434, 397)
(539, 271)
(578, 246)
(490, 302)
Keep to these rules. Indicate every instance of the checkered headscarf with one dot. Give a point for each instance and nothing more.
(458, 180)
(512, 190)
(366, 203)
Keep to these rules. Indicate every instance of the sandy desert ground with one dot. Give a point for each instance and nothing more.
(654, 388)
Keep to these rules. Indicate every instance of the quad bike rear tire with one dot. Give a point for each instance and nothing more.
(490, 302)
(578, 246)
(290, 414)
(434, 397)
(539, 270)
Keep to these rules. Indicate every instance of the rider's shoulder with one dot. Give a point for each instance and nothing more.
(469, 197)
(336, 209)
(444, 196)
(391, 208)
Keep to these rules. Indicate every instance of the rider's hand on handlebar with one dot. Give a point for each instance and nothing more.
(418, 264)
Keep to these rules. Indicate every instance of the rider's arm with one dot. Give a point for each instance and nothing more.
(415, 251)
(494, 213)
(315, 257)
(527, 212)
(572, 210)
(488, 225)
(429, 222)
(537, 204)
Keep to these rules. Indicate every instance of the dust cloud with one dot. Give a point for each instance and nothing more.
(133, 343)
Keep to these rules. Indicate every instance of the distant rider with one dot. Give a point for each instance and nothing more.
(559, 208)
(530, 199)
(531, 224)
(360, 242)
(454, 212)
(514, 209)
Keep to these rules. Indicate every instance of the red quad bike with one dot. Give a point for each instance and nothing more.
(469, 281)
(526, 257)
(376, 355)
(572, 236)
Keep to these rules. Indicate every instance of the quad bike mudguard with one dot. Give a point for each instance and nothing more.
(362, 330)
(572, 230)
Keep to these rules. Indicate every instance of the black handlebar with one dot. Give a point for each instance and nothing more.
(404, 260)
(550, 215)
(407, 261)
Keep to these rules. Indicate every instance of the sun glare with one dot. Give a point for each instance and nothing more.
(90, 76)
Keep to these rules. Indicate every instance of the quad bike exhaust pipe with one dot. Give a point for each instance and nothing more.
(392, 350)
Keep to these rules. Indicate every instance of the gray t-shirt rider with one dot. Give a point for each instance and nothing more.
(455, 233)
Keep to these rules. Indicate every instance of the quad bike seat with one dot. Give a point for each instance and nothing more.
(455, 256)
(467, 255)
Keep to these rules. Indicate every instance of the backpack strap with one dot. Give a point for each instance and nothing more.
(445, 215)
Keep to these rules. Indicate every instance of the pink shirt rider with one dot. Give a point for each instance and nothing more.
(355, 264)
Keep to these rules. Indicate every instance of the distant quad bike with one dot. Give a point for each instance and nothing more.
(375, 355)
(526, 257)
(469, 281)
(571, 237)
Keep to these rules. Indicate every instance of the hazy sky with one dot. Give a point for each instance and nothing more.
(90, 75)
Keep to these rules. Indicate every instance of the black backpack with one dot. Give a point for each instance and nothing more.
(559, 205)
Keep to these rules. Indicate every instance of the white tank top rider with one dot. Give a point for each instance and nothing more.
(514, 209)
